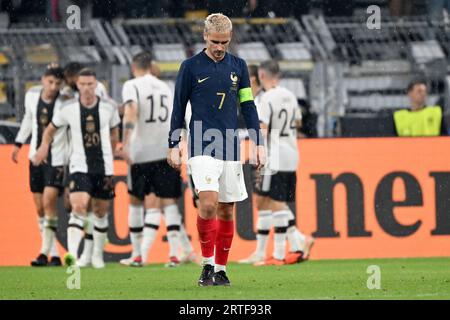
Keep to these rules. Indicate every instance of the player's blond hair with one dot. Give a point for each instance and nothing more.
(218, 22)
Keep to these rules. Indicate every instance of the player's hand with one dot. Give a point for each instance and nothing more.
(124, 153)
(40, 156)
(174, 158)
(15, 154)
(260, 157)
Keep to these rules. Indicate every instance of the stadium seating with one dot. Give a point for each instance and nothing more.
(342, 67)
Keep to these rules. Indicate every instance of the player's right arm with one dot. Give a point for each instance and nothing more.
(183, 88)
(24, 131)
(42, 151)
(130, 118)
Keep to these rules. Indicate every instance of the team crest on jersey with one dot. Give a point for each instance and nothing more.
(43, 119)
(234, 81)
(90, 124)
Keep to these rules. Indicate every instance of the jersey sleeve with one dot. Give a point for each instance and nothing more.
(26, 125)
(129, 93)
(101, 91)
(60, 119)
(183, 88)
(248, 107)
(264, 110)
(115, 119)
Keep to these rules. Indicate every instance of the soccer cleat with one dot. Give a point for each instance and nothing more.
(206, 278)
(309, 242)
(69, 259)
(97, 262)
(127, 262)
(189, 258)
(270, 262)
(40, 261)
(294, 257)
(84, 262)
(137, 262)
(252, 259)
(173, 262)
(55, 262)
(220, 279)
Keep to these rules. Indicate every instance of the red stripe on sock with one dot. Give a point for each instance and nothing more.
(224, 238)
(207, 229)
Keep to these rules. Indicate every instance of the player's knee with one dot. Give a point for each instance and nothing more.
(79, 207)
(208, 208)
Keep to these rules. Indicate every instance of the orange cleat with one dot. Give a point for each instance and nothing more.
(294, 257)
(270, 262)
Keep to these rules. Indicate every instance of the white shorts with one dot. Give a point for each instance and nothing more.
(224, 177)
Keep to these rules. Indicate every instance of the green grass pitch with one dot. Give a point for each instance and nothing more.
(327, 279)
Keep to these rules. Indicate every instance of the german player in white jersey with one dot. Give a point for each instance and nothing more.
(46, 180)
(151, 181)
(280, 115)
(94, 131)
(70, 91)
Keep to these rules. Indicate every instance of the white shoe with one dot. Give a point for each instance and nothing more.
(84, 262)
(309, 242)
(254, 258)
(191, 257)
(127, 262)
(97, 262)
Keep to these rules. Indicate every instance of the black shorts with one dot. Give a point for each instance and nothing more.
(97, 185)
(156, 177)
(279, 186)
(46, 176)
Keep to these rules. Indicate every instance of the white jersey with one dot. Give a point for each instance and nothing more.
(38, 115)
(100, 91)
(279, 110)
(91, 150)
(155, 102)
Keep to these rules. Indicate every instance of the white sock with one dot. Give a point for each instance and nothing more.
(219, 267)
(151, 226)
(100, 233)
(41, 224)
(48, 241)
(173, 221)
(186, 244)
(75, 233)
(210, 261)
(263, 226)
(136, 226)
(280, 223)
(300, 239)
(88, 238)
(295, 237)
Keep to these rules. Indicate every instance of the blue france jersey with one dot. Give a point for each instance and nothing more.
(215, 90)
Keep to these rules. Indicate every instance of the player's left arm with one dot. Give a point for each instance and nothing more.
(298, 121)
(114, 131)
(130, 118)
(114, 137)
(248, 110)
